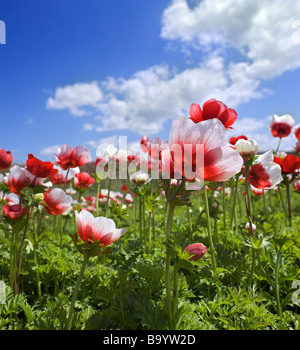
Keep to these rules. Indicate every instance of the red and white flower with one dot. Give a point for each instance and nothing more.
(99, 229)
(281, 126)
(57, 202)
(296, 132)
(72, 158)
(203, 152)
(264, 173)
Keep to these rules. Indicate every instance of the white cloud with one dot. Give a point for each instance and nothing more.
(76, 98)
(261, 30)
(49, 151)
(113, 140)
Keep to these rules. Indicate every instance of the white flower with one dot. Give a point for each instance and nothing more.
(246, 147)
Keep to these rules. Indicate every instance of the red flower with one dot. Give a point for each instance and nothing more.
(213, 109)
(14, 211)
(68, 158)
(6, 159)
(234, 140)
(289, 164)
(281, 126)
(83, 180)
(38, 168)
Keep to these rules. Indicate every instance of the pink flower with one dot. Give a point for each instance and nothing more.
(6, 159)
(101, 229)
(14, 212)
(196, 250)
(201, 150)
(265, 173)
(281, 126)
(57, 201)
(213, 109)
(72, 158)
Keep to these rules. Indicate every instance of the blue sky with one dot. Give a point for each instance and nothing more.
(85, 72)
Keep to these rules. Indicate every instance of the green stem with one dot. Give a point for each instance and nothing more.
(289, 203)
(12, 256)
(208, 224)
(76, 290)
(97, 197)
(224, 207)
(279, 310)
(175, 292)
(108, 195)
(19, 262)
(171, 209)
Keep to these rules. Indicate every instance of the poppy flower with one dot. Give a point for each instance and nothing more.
(83, 180)
(288, 164)
(213, 109)
(99, 229)
(296, 132)
(281, 126)
(202, 152)
(39, 168)
(14, 212)
(196, 251)
(233, 140)
(6, 159)
(57, 202)
(72, 158)
(264, 173)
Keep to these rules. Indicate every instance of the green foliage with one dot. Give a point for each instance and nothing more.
(124, 287)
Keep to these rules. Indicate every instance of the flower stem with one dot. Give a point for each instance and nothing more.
(76, 290)
(97, 197)
(171, 209)
(289, 203)
(208, 225)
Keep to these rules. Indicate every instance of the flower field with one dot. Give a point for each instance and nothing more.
(202, 232)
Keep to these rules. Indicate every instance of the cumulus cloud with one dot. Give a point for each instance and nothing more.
(76, 98)
(261, 32)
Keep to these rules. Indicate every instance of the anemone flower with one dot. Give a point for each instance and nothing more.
(66, 157)
(201, 150)
(264, 173)
(57, 202)
(213, 109)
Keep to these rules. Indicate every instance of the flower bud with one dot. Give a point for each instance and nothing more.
(196, 250)
(38, 197)
(247, 227)
(246, 147)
